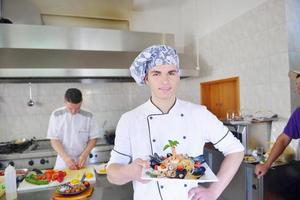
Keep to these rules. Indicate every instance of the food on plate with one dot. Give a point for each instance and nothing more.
(74, 181)
(101, 169)
(46, 177)
(181, 167)
(73, 187)
(175, 165)
(250, 159)
(89, 175)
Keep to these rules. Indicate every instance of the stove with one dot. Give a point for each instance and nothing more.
(14, 146)
(34, 154)
(40, 154)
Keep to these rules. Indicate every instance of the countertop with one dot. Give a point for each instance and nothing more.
(103, 190)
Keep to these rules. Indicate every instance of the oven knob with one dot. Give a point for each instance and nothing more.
(30, 162)
(11, 163)
(42, 161)
(91, 155)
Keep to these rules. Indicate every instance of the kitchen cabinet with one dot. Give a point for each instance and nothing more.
(221, 96)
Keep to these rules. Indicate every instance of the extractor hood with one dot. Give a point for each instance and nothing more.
(40, 51)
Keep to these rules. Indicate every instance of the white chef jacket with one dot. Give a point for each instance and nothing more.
(73, 131)
(145, 130)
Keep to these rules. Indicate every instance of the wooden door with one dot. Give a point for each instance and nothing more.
(221, 96)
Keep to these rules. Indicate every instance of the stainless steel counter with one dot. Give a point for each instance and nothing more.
(103, 190)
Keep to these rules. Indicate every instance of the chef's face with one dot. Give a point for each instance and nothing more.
(298, 85)
(163, 81)
(73, 108)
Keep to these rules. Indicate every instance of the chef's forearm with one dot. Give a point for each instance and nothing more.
(281, 143)
(228, 168)
(58, 147)
(118, 174)
(91, 144)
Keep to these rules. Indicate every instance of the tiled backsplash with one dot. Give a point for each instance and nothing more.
(107, 100)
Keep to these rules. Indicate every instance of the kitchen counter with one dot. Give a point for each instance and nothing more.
(103, 190)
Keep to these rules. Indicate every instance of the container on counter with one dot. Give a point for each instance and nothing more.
(10, 183)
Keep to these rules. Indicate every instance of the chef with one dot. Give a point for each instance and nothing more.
(73, 132)
(146, 129)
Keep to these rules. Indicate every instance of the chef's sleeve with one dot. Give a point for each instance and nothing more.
(121, 153)
(220, 136)
(52, 132)
(94, 129)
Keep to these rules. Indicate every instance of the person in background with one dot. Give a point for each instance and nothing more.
(73, 132)
(146, 129)
(291, 131)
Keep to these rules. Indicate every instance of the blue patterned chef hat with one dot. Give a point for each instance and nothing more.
(151, 57)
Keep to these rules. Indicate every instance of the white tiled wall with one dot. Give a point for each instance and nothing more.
(254, 47)
(107, 100)
(293, 16)
(260, 47)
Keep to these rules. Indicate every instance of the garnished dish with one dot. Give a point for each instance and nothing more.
(73, 187)
(181, 167)
(177, 166)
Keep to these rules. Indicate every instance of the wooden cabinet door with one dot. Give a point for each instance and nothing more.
(221, 96)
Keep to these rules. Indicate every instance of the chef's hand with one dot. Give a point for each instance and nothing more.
(81, 161)
(261, 169)
(135, 169)
(71, 163)
(201, 193)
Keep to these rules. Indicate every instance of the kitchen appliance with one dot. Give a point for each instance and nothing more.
(251, 134)
(64, 52)
(100, 154)
(39, 154)
(16, 146)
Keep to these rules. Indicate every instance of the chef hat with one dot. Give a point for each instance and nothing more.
(151, 57)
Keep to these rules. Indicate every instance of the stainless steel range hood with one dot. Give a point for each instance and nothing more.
(39, 51)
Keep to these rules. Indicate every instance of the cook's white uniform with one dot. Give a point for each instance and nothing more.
(73, 131)
(145, 130)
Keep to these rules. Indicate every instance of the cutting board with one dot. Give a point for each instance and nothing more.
(82, 196)
(71, 174)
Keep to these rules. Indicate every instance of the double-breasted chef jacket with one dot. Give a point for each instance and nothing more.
(146, 129)
(73, 130)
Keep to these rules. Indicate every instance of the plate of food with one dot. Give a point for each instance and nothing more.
(73, 187)
(101, 169)
(250, 159)
(176, 167)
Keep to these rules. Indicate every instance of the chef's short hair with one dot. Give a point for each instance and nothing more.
(73, 95)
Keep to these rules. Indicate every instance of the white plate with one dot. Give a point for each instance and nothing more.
(208, 176)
